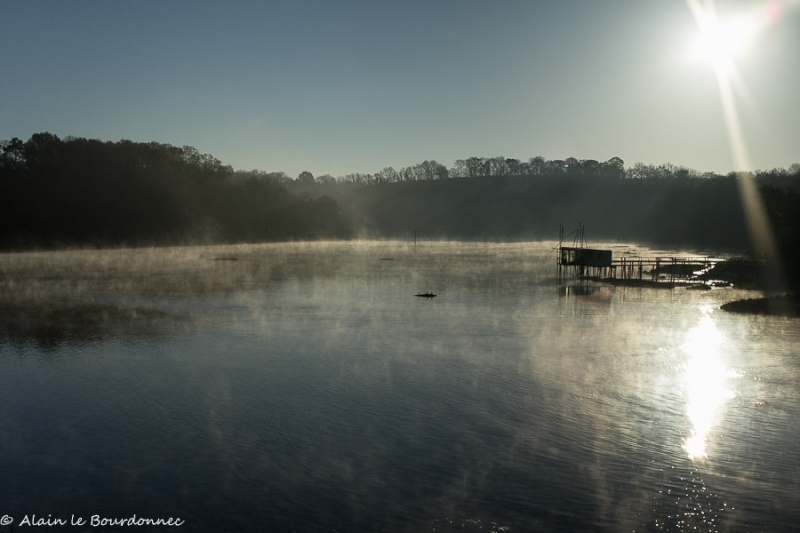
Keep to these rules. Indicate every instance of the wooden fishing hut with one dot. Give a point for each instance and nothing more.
(580, 261)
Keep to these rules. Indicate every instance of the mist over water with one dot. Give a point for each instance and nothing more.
(303, 387)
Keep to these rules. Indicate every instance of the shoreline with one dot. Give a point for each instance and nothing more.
(750, 275)
(786, 305)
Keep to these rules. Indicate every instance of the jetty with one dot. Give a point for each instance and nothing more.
(581, 261)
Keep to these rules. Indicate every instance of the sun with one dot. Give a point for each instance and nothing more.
(722, 42)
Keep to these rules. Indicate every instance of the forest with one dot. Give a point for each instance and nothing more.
(85, 192)
(80, 192)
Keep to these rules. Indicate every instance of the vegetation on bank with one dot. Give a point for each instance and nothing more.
(77, 191)
(782, 305)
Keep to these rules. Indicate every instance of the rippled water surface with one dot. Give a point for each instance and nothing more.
(303, 387)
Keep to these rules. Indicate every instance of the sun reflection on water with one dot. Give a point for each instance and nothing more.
(706, 378)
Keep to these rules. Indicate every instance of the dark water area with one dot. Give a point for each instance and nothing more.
(303, 387)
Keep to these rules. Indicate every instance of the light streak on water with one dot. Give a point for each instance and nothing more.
(706, 378)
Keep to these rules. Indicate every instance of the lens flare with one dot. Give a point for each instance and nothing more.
(722, 42)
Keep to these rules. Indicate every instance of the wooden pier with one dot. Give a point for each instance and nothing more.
(668, 269)
(580, 261)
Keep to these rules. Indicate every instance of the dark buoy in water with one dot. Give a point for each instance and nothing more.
(425, 295)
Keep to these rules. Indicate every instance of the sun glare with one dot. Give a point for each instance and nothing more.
(720, 43)
(706, 388)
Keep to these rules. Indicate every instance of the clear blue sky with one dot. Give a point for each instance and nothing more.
(341, 86)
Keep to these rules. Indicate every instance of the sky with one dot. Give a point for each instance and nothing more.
(344, 86)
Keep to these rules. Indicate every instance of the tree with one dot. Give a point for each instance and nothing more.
(426, 170)
(441, 172)
(13, 153)
(514, 167)
(614, 168)
(277, 177)
(537, 165)
(572, 167)
(356, 178)
(387, 175)
(555, 167)
(497, 166)
(459, 169)
(431, 170)
(42, 149)
(306, 177)
(414, 173)
(475, 167)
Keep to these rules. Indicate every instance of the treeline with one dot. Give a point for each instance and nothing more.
(488, 167)
(78, 191)
(475, 167)
(695, 212)
(75, 191)
(505, 199)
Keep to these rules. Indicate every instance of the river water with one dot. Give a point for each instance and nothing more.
(303, 387)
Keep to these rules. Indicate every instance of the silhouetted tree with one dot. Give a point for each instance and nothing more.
(537, 165)
(614, 168)
(459, 169)
(305, 177)
(13, 153)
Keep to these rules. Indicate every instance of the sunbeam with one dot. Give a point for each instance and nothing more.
(721, 43)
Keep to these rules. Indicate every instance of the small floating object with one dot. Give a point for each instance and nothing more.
(425, 295)
(721, 284)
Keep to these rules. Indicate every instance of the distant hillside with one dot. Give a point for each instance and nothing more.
(697, 212)
(76, 191)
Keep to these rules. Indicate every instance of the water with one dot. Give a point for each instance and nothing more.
(302, 387)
